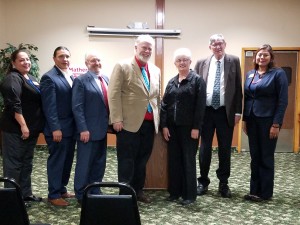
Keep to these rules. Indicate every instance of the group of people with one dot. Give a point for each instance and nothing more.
(196, 103)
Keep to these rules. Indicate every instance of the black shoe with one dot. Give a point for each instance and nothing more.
(253, 198)
(27, 205)
(248, 197)
(32, 198)
(172, 198)
(201, 190)
(187, 202)
(224, 190)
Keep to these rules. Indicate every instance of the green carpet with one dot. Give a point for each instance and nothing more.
(208, 209)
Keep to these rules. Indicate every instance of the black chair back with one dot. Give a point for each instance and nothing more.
(12, 206)
(109, 209)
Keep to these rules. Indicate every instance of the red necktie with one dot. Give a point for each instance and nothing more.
(104, 92)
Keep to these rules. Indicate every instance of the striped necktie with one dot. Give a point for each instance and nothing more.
(146, 79)
(215, 102)
(104, 92)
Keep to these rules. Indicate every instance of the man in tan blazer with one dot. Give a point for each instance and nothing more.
(134, 100)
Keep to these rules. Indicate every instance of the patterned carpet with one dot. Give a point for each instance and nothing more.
(208, 209)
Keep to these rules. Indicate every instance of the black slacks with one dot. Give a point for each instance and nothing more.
(17, 159)
(182, 150)
(133, 153)
(215, 120)
(262, 150)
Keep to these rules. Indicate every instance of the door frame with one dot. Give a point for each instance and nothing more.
(297, 94)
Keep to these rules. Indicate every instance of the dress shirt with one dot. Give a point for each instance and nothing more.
(211, 81)
(67, 74)
(148, 115)
(96, 78)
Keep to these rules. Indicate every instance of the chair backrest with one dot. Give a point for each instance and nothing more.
(12, 206)
(109, 209)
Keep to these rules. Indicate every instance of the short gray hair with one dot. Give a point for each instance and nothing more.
(91, 53)
(182, 52)
(144, 38)
(216, 37)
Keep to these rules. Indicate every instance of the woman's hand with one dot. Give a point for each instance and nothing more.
(166, 133)
(25, 132)
(195, 133)
(274, 132)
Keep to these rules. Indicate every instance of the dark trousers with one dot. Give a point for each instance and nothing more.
(215, 120)
(59, 165)
(262, 150)
(17, 159)
(182, 150)
(133, 153)
(90, 165)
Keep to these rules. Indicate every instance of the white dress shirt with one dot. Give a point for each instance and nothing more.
(211, 81)
(67, 74)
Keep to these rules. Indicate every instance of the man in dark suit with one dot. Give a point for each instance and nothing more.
(222, 74)
(91, 113)
(56, 91)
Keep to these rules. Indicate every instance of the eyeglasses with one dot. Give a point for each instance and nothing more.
(217, 44)
(182, 60)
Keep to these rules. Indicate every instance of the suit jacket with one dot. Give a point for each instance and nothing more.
(270, 97)
(21, 97)
(88, 107)
(128, 95)
(57, 103)
(232, 81)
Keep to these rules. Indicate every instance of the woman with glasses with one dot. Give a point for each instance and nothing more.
(181, 116)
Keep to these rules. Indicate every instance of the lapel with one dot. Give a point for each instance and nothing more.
(249, 79)
(94, 85)
(153, 78)
(227, 65)
(62, 77)
(206, 68)
(138, 73)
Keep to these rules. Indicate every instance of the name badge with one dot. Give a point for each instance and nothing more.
(35, 83)
(251, 75)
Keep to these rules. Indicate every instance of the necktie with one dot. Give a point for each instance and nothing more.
(104, 92)
(146, 79)
(215, 102)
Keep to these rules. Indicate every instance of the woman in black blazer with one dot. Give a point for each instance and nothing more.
(181, 116)
(21, 122)
(266, 99)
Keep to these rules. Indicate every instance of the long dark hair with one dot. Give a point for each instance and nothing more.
(14, 56)
(270, 50)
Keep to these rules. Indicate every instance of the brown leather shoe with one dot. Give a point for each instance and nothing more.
(143, 198)
(58, 202)
(68, 195)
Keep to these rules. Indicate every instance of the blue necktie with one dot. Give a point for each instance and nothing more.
(215, 102)
(145, 76)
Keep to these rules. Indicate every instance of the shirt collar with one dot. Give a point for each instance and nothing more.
(65, 73)
(214, 60)
(140, 64)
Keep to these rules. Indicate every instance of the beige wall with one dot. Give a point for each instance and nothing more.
(48, 24)
(2, 23)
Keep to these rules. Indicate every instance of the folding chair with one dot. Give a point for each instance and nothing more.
(109, 209)
(12, 206)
